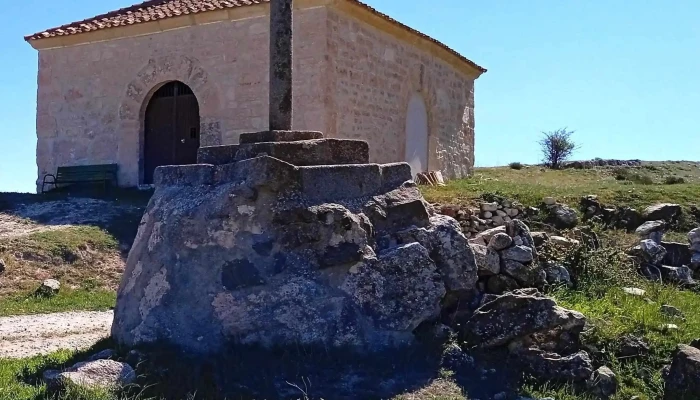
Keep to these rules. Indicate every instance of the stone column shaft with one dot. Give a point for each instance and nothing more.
(281, 64)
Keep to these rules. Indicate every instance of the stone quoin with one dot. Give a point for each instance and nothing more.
(106, 83)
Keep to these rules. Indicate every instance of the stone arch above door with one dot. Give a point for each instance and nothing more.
(157, 72)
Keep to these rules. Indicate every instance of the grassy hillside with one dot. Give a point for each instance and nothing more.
(633, 187)
(600, 277)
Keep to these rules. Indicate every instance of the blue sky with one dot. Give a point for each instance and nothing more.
(624, 74)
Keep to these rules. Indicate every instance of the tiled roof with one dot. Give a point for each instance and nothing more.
(153, 10)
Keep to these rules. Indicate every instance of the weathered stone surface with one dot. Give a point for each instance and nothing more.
(603, 382)
(694, 236)
(521, 254)
(278, 136)
(634, 291)
(649, 227)
(488, 234)
(487, 260)
(563, 242)
(666, 212)
(517, 314)
(683, 379)
(632, 346)
(48, 288)
(499, 284)
(562, 216)
(98, 374)
(500, 241)
(399, 290)
(310, 152)
(557, 274)
(679, 275)
(677, 254)
(540, 238)
(649, 251)
(554, 367)
(531, 275)
(264, 257)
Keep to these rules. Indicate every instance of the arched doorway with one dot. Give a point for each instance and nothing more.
(417, 135)
(171, 128)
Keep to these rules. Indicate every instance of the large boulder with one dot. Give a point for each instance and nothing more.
(518, 314)
(98, 374)
(665, 211)
(678, 275)
(677, 254)
(263, 252)
(683, 379)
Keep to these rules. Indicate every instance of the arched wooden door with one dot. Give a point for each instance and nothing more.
(417, 135)
(171, 128)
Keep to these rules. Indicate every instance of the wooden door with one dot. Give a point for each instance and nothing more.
(171, 128)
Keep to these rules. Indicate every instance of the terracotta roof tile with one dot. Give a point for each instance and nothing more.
(153, 10)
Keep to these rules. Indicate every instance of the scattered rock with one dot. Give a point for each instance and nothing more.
(669, 327)
(562, 216)
(554, 367)
(454, 358)
(666, 211)
(649, 227)
(683, 378)
(671, 311)
(489, 207)
(518, 314)
(500, 241)
(488, 234)
(632, 346)
(557, 274)
(677, 254)
(678, 275)
(521, 254)
(540, 238)
(488, 261)
(566, 243)
(635, 291)
(603, 383)
(649, 251)
(549, 201)
(48, 288)
(100, 374)
(499, 284)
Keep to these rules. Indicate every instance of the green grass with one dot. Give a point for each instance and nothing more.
(530, 185)
(84, 259)
(66, 300)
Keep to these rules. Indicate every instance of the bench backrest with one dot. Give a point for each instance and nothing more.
(87, 172)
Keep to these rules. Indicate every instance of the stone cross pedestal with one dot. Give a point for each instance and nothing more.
(281, 65)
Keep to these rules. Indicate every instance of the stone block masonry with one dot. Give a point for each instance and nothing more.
(352, 81)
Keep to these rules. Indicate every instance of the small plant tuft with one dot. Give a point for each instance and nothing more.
(516, 165)
(674, 180)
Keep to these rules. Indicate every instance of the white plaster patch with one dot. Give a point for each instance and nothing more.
(138, 268)
(155, 237)
(157, 287)
(246, 209)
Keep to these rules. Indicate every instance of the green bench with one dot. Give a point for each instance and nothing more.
(104, 174)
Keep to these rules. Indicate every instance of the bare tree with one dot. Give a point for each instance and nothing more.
(557, 147)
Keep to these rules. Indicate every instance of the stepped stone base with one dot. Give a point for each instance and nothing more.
(260, 250)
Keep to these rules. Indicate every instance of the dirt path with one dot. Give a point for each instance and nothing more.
(30, 335)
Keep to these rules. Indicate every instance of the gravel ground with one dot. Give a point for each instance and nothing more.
(30, 335)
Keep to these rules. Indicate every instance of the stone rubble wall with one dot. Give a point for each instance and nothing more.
(488, 215)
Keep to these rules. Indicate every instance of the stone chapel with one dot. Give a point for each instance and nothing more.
(148, 85)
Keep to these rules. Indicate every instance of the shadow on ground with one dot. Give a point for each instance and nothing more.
(118, 211)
